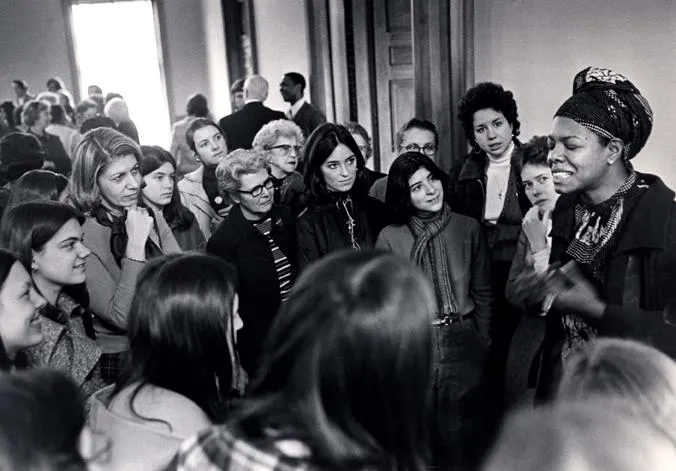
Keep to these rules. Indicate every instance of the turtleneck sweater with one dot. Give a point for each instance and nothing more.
(497, 180)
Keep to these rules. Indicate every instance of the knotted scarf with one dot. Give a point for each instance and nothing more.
(430, 253)
(611, 106)
(118, 234)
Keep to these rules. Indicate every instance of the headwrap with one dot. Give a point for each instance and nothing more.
(611, 106)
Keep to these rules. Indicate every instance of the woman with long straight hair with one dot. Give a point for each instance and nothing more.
(451, 251)
(181, 368)
(340, 214)
(47, 237)
(160, 194)
(344, 378)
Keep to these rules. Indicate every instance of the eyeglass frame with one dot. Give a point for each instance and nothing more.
(428, 149)
(287, 148)
(256, 191)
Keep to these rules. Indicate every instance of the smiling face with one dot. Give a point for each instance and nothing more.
(255, 207)
(578, 159)
(340, 170)
(119, 183)
(283, 156)
(538, 185)
(20, 303)
(61, 262)
(427, 192)
(159, 185)
(210, 145)
(492, 132)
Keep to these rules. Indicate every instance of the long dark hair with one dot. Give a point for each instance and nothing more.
(29, 226)
(180, 331)
(398, 196)
(43, 414)
(319, 146)
(346, 367)
(177, 216)
(7, 261)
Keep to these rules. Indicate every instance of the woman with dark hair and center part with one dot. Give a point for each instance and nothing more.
(160, 194)
(340, 214)
(452, 252)
(181, 369)
(344, 379)
(614, 229)
(20, 305)
(48, 239)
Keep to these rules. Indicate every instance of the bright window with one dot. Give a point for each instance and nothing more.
(116, 48)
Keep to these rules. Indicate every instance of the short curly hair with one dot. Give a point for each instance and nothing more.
(237, 163)
(31, 111)
(268, 134)
(487, 95)
(534, 152)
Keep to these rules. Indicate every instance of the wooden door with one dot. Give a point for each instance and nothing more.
(393, 71)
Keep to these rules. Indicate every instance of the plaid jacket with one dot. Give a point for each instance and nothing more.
(220, 448)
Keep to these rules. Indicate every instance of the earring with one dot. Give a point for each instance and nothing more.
(611, 161)
(34, 266)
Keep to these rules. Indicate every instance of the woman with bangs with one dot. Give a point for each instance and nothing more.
(121, 234)
(451, 251)
(340, 213)
(344, 379)
(160, 194)
(181, 370)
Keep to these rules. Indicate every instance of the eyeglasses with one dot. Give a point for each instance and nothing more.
(258, 190)
(286, 148)
(427, 149)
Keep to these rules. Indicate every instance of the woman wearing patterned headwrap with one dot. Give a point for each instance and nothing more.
(614, 229)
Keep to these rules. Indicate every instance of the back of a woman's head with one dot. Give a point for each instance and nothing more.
(319, 147)
(347, 360)
(626, 369)
(37, 185)
(595, 435)
(42, 414)
(180, 328)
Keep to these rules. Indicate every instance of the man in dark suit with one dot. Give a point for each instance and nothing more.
(306, 116)
(241, 127)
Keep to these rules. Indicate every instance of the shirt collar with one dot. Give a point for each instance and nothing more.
(297, 106)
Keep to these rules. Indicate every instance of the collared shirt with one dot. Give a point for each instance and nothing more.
(293, 111)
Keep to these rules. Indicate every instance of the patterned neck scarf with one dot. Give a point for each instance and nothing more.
(430, 253)
(596, 227)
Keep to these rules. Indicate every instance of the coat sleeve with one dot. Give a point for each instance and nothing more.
(110, 298)
(520, 268)
(481, 289)
(307, 250)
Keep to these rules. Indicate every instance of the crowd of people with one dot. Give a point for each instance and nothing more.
(258, 297)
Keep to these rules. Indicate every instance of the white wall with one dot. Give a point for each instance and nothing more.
(32, 45)
(282, 44)
(535, 47)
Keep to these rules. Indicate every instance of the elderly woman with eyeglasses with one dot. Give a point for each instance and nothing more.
(281, 142)
(257, 238)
